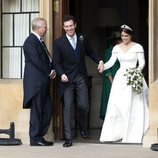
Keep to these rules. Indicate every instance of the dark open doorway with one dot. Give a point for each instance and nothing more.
(133, 12)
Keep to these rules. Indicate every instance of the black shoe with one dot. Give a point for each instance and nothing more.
(48, 143)
(68, 143)
(83, 134)
(41, 143)
(83, 131)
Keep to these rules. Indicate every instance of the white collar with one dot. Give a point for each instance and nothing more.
(39, 37)
(69, 37)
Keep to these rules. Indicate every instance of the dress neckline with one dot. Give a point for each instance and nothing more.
(128, 48)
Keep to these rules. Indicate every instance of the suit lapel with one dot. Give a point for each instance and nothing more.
(80, 46)
(41, 46)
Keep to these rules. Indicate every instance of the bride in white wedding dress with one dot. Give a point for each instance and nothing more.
(127, 116)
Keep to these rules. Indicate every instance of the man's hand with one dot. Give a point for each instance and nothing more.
(101, 66)
(64, 78)
(53, 74)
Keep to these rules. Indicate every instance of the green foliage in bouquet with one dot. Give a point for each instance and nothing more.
(135, 79)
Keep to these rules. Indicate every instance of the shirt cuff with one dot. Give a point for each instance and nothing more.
(52, 71)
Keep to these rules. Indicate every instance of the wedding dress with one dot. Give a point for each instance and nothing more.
(127, 116)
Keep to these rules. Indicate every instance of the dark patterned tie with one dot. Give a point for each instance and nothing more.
(45, 48)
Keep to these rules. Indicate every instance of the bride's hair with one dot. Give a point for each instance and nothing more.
(127, 29)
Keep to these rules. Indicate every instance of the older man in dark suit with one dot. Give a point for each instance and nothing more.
(69, 53)
(37, 74)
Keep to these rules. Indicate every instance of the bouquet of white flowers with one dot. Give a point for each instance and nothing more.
(134, 79)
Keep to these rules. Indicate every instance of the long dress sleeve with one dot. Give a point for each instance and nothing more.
(141, 59)
(111, 61)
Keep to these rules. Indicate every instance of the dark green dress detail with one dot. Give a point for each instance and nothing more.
(106, 82)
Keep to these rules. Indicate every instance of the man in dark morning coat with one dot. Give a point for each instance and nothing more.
(36, 84)
(71, 69)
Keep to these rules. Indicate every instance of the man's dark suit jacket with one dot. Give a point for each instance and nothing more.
(37, 68)
(65, 61)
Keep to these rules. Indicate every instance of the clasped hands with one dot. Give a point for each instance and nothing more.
(101, 66)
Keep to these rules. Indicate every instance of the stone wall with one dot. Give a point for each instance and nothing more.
(11, 94)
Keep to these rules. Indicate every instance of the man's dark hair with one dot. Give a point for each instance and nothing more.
(68, 18)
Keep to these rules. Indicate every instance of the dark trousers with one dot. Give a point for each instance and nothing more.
(40, 114)
(75, 94)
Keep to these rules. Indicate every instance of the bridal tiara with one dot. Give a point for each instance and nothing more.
(126, 27)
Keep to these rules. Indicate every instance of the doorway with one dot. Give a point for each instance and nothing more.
(133, 12)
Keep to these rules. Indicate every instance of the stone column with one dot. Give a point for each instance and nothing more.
(152, 135)
(46, 12)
